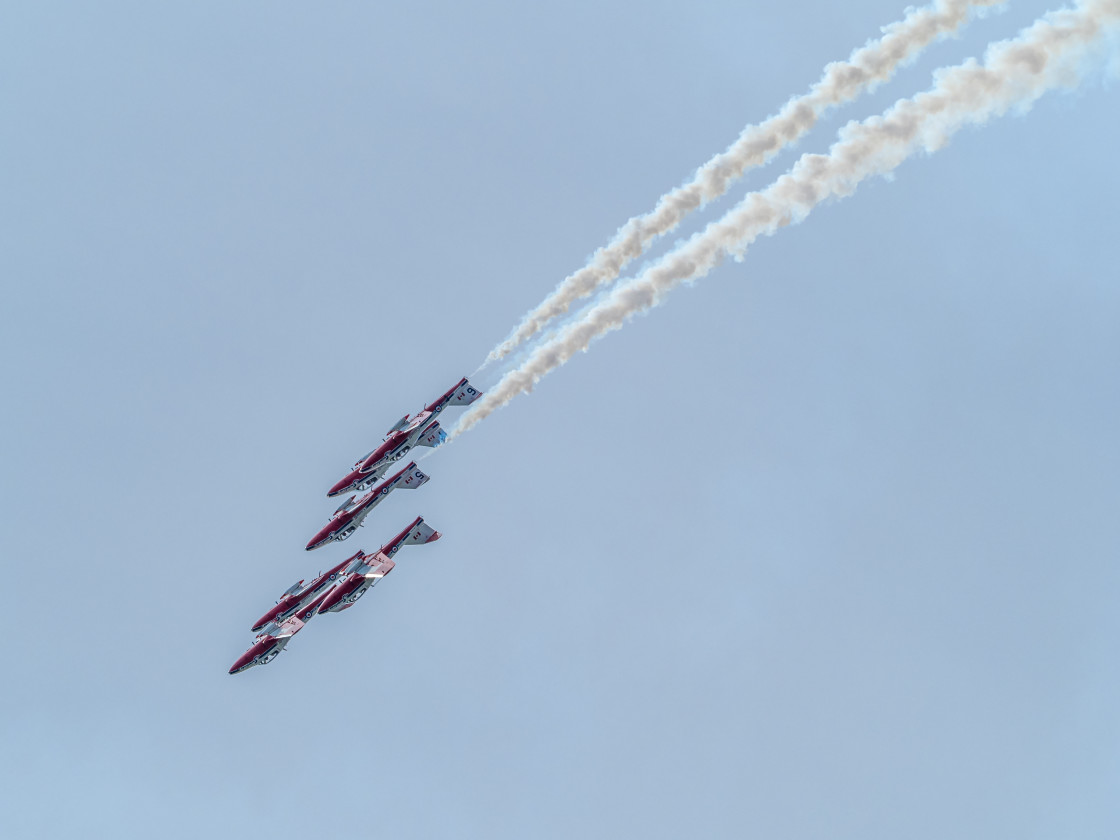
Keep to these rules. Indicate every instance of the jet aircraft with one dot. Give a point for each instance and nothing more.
(349, 515)
(330, 592)
(367, 569)
(275, 637)
(406, 433)
(267, 646)
(295, 597)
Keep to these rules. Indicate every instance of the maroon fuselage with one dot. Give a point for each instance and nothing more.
(395, 441)
(345, 589)
(290, 603)
(346, 484)
(338, 523)
(392, 443)
(284, 605)
(350, 583)
(390, 450)
(259, 649)
(342, 520)
(308, 611)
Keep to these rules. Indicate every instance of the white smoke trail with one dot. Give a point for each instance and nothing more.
(1052, 53)
(842, 82)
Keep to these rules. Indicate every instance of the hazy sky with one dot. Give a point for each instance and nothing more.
(826, 547)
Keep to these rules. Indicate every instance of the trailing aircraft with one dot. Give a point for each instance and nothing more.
(348, 517)
(297, 595)
(267, 646)
(367, 569)
(332, 591)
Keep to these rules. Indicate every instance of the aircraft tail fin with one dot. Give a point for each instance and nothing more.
(413, 477)
(421, 533)
(465, 394)
(416, 532)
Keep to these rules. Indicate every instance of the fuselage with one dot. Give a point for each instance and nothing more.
(354, 585)
(264, 650)
(340, 527)
(345, 522)
(400, 442)
(289, 604)
(370, 469)
(395, 447)
(354, 481)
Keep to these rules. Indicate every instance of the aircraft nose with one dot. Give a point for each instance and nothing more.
(328, 602)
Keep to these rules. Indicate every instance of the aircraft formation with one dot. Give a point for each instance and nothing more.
(340, 587)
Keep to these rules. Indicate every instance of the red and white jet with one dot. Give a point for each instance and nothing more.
(406, 433)
(267, 646)
(348, 517)
(332, 591)
(367, 569)
(295, 596)
(275, 637)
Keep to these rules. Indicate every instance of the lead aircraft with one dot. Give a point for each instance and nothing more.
(406, 434)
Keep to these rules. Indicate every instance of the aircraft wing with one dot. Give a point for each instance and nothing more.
(290, 627)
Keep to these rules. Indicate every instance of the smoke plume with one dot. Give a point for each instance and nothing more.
(1055, 52)
(842, 82)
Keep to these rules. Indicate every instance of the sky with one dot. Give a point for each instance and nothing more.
(824, 547)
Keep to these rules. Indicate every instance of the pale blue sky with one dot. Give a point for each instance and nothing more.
(825, 547)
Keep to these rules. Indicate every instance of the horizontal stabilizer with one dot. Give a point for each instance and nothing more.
(290, 627)
(360, 561)
(433, 436)
(381, 566)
